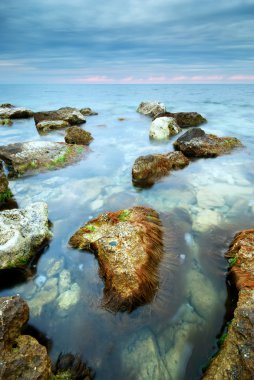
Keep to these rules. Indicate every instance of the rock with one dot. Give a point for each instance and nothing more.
(151, 108)
(76, 135)
(36, 156)
(148, 169)
(64, 281)
(71, 367)
(207, 198)
(69, 298)
(55, 267)
(87, 112)
(6, 122)
(48, 125)
(5, 192)
(8, 111)
(71, 115)
(129, 247)
(185, 119)
(235, 359)
(46, 295)
(196, 143)
(21, 356)
(163, 128)
(22, 234)
(205, 219)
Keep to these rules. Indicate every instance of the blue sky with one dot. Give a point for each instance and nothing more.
(130, 41)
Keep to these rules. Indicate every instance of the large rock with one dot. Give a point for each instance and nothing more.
(71, 115)
(185, 119)
(5, 192)
(35, 156)
(8, 111)
(49, 125)
(148, 169)
(76, 135)
(236, 357)
(196, 143)
(163, 128)
(151, 108)
(128, 245)
(21, 356)
(22, 234)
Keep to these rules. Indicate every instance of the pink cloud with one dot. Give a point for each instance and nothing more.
(242, 77)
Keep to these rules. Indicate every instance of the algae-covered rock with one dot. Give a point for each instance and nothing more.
(76, 135)
(196, 143)
(128, 245)
(6, 121)
(21, 356)
(185, 119)
(36, 156)
(48, 125)
(69, 114)
(147, 169)
(151, 108)
(235, 359)
(88, 111)
(22, 233)
(5, 192)
(8, 111)
(163, 128)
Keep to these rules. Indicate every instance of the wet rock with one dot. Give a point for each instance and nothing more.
(196, 143)
(87, 112)
(8, 111)
(236, 357)
(36, 156)
(5, 192)
(148, 169)
(22, 233)
(206, 219)
(55, 267)
(46, 295)
(76, 135)
(185, 119)
(71, 115)
(151, 108)
(163, 128)
(129, 248)
(64, 281)
(68, 298)
(5, 121)
(70, 367)
(48, 125)
(21, 356)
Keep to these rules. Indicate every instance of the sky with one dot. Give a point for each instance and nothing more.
(127, 41)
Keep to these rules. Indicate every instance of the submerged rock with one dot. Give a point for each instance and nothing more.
(129, 247)
(22, 233)
(5, 192)
(151, 108)
(88, 112)
(236, 357)
(185, 119)
(163, 128)
(36, 156)
(69, 114)
(8, 111)
(196, 143)
(148, 169)
(48, 125)
(76, 135)
(21, 356)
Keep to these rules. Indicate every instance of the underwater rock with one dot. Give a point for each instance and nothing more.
(5, 192)
(6, 121)
(88, 112)
(36, 156)
(163, 128)
(71, 367)
(22, 234)
(196, 143)
(151, 108)
(208, 199)
(8, 111)
(46, 295)
(129, 246)
(147, 169)
(64, 281)
(76, 135)
(235, 359)
(68, 298)
(185, 119)
(54, 267)
(21, 356)
(49, 125)
(71, 115)
(205, 219)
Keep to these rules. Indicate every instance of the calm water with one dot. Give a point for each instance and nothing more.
(201, 207)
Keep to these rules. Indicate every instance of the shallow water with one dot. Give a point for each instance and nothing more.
(202, 206)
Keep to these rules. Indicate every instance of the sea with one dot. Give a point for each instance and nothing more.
(175, 336)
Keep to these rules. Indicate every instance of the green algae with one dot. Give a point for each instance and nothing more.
(4, 196)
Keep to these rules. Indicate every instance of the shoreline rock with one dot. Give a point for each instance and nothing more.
(49, 125)
(68, 114)
(129, 246)
(8, 111)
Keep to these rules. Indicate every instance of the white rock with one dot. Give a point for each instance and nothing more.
(205, 219)
(64, 281)
(163, 127)
(69, 298)
(151, 108)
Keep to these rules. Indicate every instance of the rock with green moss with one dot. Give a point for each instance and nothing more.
(8, 111)
(185, 119)
(22, 233)
(36, 156)
(5, 192)
(5, 121)
(69, 114)
(129, 247)
(148, 169)
(163, 127)
(196, 143)
(76, 135)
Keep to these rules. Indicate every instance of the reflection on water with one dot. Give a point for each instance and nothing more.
(201, 207)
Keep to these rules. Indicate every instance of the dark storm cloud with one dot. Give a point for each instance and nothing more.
(84, 37)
